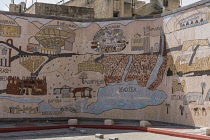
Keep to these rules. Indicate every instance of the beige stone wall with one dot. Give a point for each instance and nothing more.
(31, 10)
(139, 4)
(127, 10)
(79, 3)
(157, 7)
(146, 9)
(102, 8)
(172, 4)
(14, 8)
(61, 10)
(105, 9)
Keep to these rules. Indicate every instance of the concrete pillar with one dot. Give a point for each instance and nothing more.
(121, 8)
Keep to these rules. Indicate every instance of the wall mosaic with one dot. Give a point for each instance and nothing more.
(154, 69)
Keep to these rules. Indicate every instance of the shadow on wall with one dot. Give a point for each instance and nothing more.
(188, 70)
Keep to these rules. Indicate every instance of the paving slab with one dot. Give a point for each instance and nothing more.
(158, 128)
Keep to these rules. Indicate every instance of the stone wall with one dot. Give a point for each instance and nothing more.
(60, 10)
(102, 8)
(157, 7)
(142, 68)
(172, 4)
(14, 8)
(127, 12)
(106, 8)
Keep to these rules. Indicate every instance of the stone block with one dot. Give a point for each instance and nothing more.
(72, 122)
(108, 122)
(205, 131)
(113, 138)
(72, 128)
(100, 136)
(145, 124)
(83, 131)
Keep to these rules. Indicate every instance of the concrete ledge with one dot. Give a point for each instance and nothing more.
(151, 130)
(64, 119)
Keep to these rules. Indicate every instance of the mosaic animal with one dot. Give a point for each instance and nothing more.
(82, 90)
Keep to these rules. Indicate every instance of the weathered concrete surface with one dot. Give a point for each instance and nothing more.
(65, 134)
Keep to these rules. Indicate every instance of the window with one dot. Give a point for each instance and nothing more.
(116, 14)
(165, 3)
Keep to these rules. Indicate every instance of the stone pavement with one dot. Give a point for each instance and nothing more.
(66, 134)
(126, 127)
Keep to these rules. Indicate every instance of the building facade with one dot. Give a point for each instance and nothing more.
(98, 8)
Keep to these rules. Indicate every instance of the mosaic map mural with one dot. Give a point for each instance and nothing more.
(154, 69)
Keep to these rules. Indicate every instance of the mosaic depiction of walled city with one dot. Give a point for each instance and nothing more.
(156, 69)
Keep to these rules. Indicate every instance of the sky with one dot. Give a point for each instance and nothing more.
(5, 3)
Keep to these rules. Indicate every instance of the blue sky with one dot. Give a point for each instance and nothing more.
(3, 4)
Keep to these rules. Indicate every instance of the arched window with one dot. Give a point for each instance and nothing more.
(201, 20)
